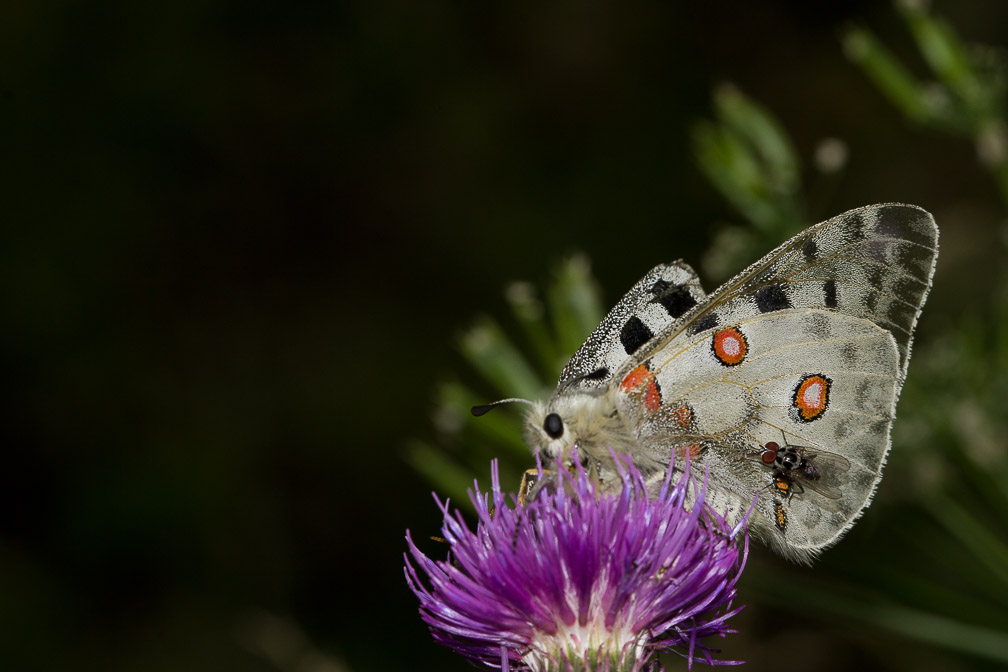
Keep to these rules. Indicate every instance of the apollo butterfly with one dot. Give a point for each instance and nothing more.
(809, 346)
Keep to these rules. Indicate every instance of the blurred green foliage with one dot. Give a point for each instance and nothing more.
(966, 96)
(942, 577)
(749, 159)
(550, 331)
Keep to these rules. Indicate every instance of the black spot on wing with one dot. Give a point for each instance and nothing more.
(770, 298)
(810, 250)
(913, 258)
(842, 431)
(857, 226)
(909, 288)
(598, 374)
(862, 395)
(829, 294)
(816, 325)
(708, 321)
(871, 300)
(909, 224)
(675, 299)
(877, 250)
(634, 334)
(660, 286)
(876, 277)
(899, 314)
(892, 222)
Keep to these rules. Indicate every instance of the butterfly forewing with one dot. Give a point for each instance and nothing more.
(874, 263)
(651, 307)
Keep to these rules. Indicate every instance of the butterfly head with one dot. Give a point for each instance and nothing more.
(582, 421)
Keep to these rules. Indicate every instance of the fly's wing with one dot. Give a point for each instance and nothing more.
(830, 492)
(832, 470)
(652, 306)
(812, 340)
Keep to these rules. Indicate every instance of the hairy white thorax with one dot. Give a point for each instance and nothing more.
(591, 423)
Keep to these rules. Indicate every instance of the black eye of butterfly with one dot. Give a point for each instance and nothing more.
(553, 426)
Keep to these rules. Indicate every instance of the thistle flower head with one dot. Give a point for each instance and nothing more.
(576, 580)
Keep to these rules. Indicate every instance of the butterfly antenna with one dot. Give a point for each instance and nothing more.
(486, 408)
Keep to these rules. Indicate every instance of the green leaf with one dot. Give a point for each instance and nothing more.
(930, 628)
(529, 312)
(748, 157)
(502, 428)
(574, 305)
(490, 352)
(732, 168)
(764, 135)
(944, 53)
(984, 545)
(902, 89)
(448, 477)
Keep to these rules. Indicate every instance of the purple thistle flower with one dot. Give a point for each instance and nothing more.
(575, 580)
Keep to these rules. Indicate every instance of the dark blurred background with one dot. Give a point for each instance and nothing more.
(239, 241)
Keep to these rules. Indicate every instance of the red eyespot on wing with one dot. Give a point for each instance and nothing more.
(693, 450)
(642, 382)
(636, 379)
(652, 395)
(811, 396)
(729, 346)
(681, 415)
